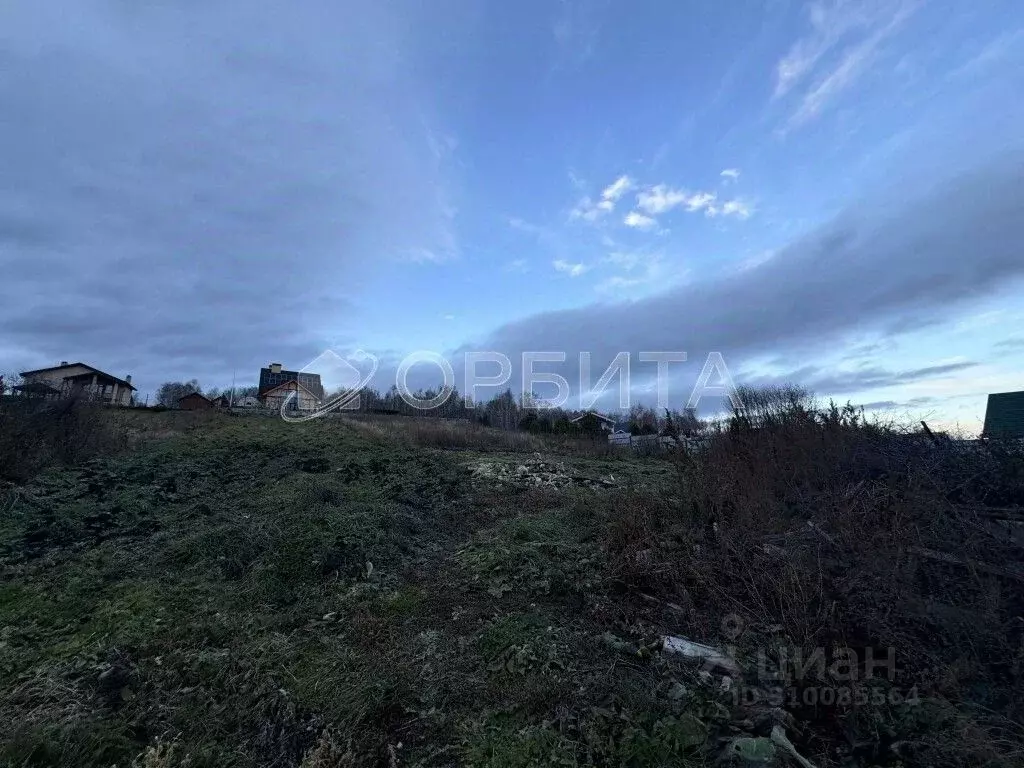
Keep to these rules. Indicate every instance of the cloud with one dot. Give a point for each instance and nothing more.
(617, 188)
(730, 174)
(618, 283)
(638, 220)
(202, 188)
(640, 269)
(802, 296)
(995, 52)
(626, 260)
(424, 256)
(1014, 343)
(700, 201)
(845, 382)
(629, 260)
(661, 198)
(652, 201)
(591, 211)
(516, 265)
(861, 25)
(573, 270)
(880, 405)
(737, 208)
(755, 261)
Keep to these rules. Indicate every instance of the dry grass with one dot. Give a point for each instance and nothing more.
(226, 577)
(328, 754)
(830, 536)
(162, 755)
(453, 434)
(37, 434)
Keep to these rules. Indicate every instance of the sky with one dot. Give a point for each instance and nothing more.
(827, 193)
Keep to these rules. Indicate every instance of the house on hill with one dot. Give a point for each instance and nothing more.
(78, 380)
(305, 390)
(1004, 416)
(195, 401)
(592, 422)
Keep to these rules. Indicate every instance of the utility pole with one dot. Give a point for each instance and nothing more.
(231, 398)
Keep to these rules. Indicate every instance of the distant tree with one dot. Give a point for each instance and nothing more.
(503, 411)
(171, 392)
(688, 422)
(8, 381)
(670, 428)
(642, 420)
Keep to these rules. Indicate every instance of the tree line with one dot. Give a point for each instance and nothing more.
(505, 410)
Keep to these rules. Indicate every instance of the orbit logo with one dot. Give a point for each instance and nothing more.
(346, 377)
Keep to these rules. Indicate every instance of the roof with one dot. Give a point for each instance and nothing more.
(592, 413)
(1004, 415)
(195, 394)
(82, 365)
(270, 381)
(292, 386)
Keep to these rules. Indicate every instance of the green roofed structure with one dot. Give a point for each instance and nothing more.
(1004, 416)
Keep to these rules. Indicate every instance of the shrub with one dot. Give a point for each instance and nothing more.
(816, 530)
(36, 434)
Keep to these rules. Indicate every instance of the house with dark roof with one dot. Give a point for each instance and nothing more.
(592, 421)
(1004, 416)
(79, 380)
(195, 401)
(302, 391)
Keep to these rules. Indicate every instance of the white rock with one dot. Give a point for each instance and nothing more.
(711, 657)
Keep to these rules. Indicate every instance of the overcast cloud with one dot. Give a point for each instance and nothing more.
(185, 188)
(193, 189)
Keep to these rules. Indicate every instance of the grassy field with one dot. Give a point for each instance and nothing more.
(258, 593)
(234, 591)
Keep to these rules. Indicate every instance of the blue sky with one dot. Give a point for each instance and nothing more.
(825, 192)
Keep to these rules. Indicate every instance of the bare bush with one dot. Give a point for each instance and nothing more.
(819, 531)
(36, 434)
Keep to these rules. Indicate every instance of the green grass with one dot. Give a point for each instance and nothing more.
(240, 592)
(248, 592)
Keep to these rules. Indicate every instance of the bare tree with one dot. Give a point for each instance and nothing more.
(171, 392)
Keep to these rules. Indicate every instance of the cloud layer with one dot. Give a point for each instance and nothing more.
(186, 191)
(876, 267)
